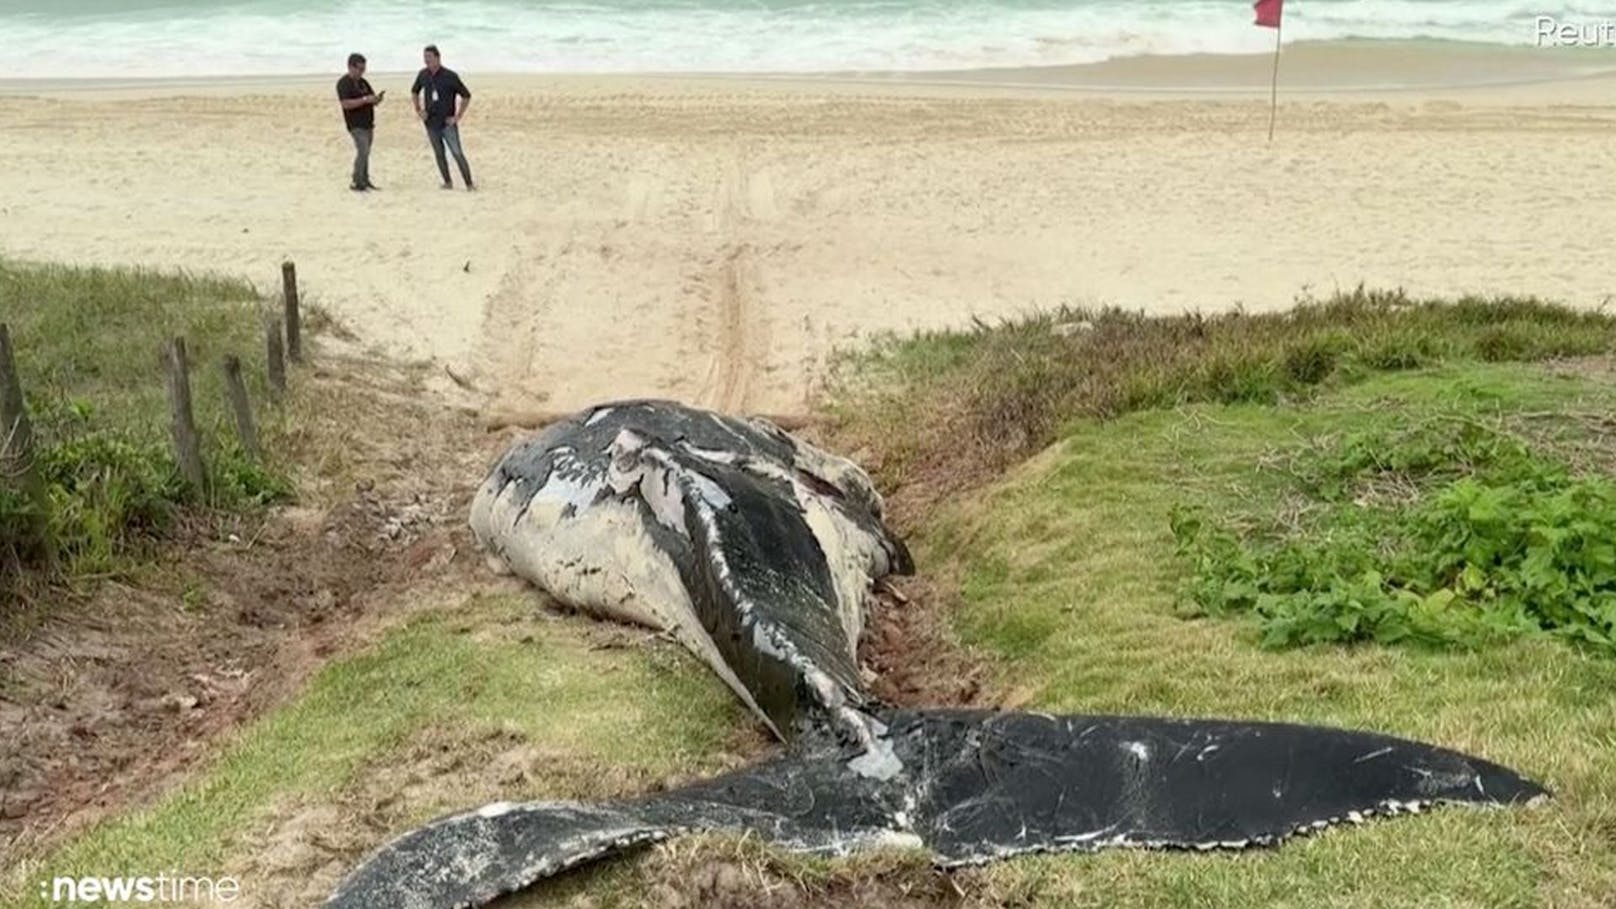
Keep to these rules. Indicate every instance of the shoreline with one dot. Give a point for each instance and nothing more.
(1322, 68)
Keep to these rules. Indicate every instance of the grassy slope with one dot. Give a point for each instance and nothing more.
(607, 718)
(1068, 578)
(970, 404)
(87, 344)
(94, 335)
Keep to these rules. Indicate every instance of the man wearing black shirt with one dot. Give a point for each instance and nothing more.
(359, 113)
(442, 87)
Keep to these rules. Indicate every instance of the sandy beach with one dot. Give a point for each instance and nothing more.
(717, 239)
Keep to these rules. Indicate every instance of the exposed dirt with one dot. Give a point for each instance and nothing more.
(908, 645)
(916, 660)
(110, 698)
(1595, 368)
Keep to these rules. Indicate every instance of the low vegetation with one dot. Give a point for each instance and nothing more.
(968, 404)
(1453, 530)
(87, 344)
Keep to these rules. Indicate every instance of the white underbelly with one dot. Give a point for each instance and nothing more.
(599, 559)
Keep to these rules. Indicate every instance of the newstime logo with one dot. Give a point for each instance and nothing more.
(162, 888)
(1551, 32)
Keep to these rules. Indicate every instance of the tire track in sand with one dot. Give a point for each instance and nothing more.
(733, 286)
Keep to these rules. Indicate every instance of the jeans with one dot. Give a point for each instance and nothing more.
(361, 161)
(448, 135)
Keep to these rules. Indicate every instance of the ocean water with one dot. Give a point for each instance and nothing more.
(127, 38)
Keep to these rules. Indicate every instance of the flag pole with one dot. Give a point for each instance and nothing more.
(1273, 90)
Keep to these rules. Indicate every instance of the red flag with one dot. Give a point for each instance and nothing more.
(1268, 12)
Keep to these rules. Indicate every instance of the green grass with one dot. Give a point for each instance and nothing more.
(968, 405)
(1068, 582)
(87, 343)
(490, 669)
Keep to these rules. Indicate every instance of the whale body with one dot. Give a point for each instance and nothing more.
(758, 552)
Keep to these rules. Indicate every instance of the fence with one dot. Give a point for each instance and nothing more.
(282, 340)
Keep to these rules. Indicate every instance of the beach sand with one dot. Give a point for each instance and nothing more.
(717, 239)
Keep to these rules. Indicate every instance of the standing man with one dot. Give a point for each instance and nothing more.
(447, 100)
(359, 113)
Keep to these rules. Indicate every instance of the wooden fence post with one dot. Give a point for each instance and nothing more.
(276, 354)
(294, 321)
(237, 390)
(17, 445)
(187, 448)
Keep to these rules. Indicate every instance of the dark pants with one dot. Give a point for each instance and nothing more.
(361, 161)
(448, 135)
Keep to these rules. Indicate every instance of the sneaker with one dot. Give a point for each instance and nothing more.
(357, 188)
(369, 186)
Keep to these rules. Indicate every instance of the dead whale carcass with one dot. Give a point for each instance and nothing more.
(754, 550)
(757, 551)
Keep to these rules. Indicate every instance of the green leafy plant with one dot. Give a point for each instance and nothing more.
(1487, 540)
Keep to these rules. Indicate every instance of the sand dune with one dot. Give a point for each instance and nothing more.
(716, 240)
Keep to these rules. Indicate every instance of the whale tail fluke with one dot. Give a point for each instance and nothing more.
(971, 786)
(472, 858)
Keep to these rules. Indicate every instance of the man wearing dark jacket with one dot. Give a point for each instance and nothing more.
(446, 102)
(358, 103)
